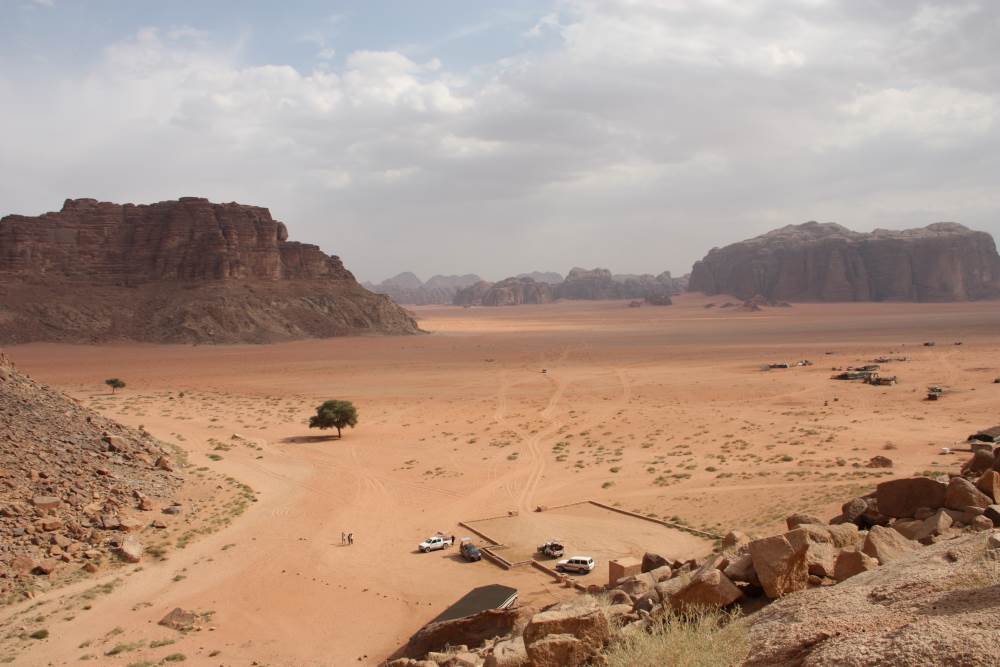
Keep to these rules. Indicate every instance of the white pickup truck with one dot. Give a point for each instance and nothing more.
(436, 542)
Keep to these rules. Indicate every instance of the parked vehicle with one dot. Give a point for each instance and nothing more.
(551, 549)
(578, 564)
(436, 543)
(469, 551)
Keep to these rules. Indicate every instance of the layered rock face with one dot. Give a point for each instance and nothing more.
(827, 262)
(175, 271)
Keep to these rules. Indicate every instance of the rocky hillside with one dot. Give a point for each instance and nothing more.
(827, 262)
(74, 486)
(406, 288)
(176, 271)
(580, 284)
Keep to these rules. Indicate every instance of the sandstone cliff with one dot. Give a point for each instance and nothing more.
(175, 271)
(507, 292)
(827, 262)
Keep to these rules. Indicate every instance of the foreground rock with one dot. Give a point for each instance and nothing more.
(932, 606)
(176, 271)
(827, 262)
(470, 630)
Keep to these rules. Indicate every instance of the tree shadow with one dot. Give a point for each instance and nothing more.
(306, 439)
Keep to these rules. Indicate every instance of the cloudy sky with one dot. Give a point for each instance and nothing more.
(448, 136)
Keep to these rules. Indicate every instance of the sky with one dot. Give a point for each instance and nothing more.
(448, 136)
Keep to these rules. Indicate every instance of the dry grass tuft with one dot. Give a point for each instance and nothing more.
(702, 639)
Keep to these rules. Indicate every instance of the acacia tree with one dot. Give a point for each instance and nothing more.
(114, 383)
(334, 414)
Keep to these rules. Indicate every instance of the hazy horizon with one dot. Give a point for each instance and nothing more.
(500, 138)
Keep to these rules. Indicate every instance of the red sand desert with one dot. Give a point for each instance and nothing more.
(662, 411)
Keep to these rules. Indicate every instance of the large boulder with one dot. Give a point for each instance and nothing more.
(887, 545)
(637, 586)
(651, 561)
(902, 497)
(926, 529)
(741, 569)
(706, 588)
(781, 566)
(469, 630)
(993, 514)
(851, 562)
(793, 521)
(989, 483)
(961, 493)
(583, 620)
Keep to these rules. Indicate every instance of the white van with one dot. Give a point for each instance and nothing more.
(581, 564)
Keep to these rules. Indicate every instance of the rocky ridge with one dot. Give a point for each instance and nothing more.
(579, 284)
(75, 488)
(176, 271)
(407, 289)
(827, 262)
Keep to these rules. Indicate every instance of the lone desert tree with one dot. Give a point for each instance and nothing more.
(114, 383)
(334, 414)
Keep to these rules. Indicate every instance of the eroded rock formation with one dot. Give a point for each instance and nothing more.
(176, 271)
(827, 262)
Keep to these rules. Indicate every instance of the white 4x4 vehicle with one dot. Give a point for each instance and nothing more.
(436, 542)
(581, 564)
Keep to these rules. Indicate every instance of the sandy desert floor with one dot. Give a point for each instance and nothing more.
(663, 411)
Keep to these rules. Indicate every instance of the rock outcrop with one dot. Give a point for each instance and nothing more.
(827, 262)
(176, 271)
(407, 289)
(507, 292)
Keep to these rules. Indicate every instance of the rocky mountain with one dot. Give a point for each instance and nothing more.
(74, 485)
(176, 271)
(827, 262)
(507, 292)
(406, 288)
(580, 284)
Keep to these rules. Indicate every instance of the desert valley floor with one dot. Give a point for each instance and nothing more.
(663, 411)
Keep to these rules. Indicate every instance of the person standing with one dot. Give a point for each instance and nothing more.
(343, 537)
(350, 538)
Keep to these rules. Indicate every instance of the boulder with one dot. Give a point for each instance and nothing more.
(508, 653)
(886, 545)
(180, 620)
(469, 630)
(130, 549)
(981, 461)
(853, 509)
(706, 588)
(47, 566)
(902, 497)
(962, 493)
(46, 502)
(981, 523)
(851, 562)
(636, 586)
(735, 540)
(844, 535)
(923, 531)
(780, 566)
(22, 564)
(879, 461)
(989, 483)
(560, 650)
(741, 569)
(661, 573)
(616, 596)
(651, 561)
(582, 619)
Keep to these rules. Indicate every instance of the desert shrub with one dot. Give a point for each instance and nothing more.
(708, 638)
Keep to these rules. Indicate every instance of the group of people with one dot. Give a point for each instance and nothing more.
(347, 538)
